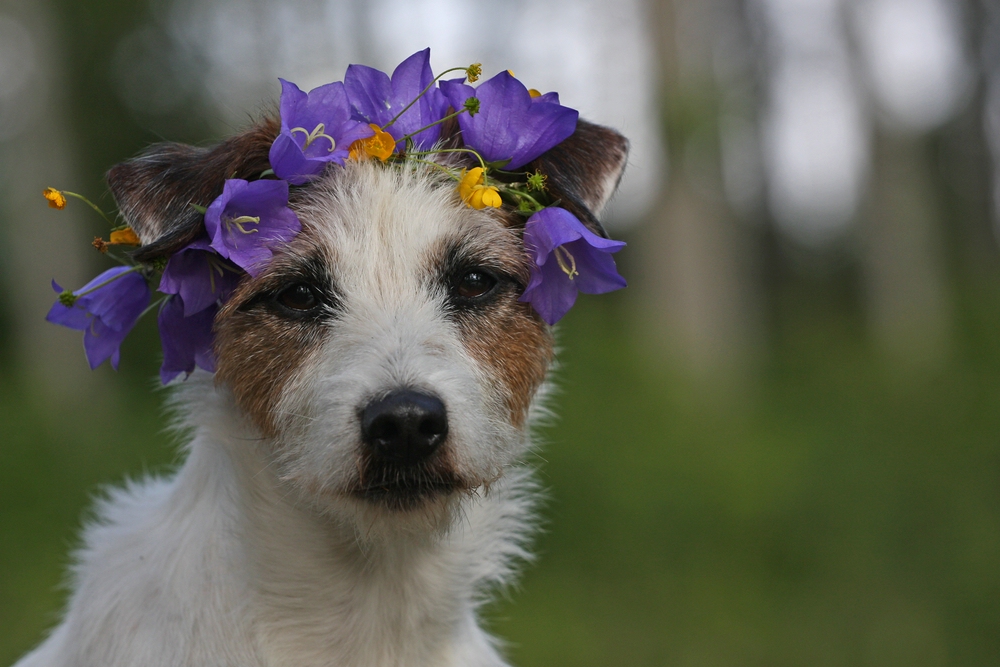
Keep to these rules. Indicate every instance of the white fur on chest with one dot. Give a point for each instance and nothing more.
(217, 566)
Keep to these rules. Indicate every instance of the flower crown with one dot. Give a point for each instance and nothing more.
(396, 120)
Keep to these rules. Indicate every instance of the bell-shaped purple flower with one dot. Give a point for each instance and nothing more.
(567, 258)
(187, 341)
(377, 99)
(105, 309)
(200, 276)
(316, 128)
(510, 124)
(250, 218)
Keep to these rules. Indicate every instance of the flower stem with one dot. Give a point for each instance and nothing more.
(153, 305)
(90, 204)
(422, 93)
(106, 282)
(425, 127)
(436, 166)
(482, 163)
(525, 195)
(121, 259)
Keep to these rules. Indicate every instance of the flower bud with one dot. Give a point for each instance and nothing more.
(56, 198)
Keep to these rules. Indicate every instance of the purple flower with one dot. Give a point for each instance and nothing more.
(200, 276)
(105, 309)
(510, 125)
(186, 340)
(316, 128)
(248, 219)
(567, 258)
(377, 99)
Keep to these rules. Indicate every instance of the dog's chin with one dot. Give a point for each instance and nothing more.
(407, 497)
(406, 491)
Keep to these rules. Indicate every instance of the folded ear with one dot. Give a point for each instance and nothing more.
(155, 190)
(584, 170)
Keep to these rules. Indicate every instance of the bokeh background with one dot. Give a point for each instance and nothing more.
(779, 446)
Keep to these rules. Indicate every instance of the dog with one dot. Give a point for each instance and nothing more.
(355, 481)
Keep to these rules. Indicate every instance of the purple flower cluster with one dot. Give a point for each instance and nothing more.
(243, 225)
(511, 126)
(503, 122)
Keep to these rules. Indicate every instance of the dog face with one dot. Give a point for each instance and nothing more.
(383, 353)
(384, 350)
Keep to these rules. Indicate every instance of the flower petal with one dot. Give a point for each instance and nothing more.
(187, 341)
(289, 163)
(200, 276)
(316, 128)
(510, 125)
(249, 219)
(377, 99)
(545, 125)
(101, 342)
(368, 91)
(550, 293)
(597, 271)
(72, 317)
(567, 258)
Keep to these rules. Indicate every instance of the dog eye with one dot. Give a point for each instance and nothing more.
(300, 296)
(474, 284)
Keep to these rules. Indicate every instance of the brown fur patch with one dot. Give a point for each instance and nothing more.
(259, 351)
(508, 337)
(514, 343)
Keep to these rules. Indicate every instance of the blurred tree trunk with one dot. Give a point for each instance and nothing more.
(907, 300)
(929, 203)
(698, 286)
(40, 243)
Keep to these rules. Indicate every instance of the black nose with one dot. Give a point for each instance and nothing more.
(405, 426)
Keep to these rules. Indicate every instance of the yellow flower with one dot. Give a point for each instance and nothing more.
(380, 145)
(534, 93)
(125, 236)
(475, 193)
(56, 198)
(469, 179)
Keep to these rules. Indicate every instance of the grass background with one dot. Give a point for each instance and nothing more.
(831, 511)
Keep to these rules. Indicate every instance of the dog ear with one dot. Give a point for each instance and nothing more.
(155, 190)
(584, 170)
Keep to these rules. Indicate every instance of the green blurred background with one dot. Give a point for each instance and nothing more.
(778, 447)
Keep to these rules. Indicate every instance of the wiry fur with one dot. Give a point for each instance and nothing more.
(267, 547)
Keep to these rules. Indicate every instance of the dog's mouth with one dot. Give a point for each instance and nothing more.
(402, 489)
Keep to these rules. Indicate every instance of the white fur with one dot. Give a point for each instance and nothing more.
(251, 554)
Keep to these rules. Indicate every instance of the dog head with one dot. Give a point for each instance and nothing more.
(383, 354)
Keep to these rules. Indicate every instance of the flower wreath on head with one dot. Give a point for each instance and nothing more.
(370, 115)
